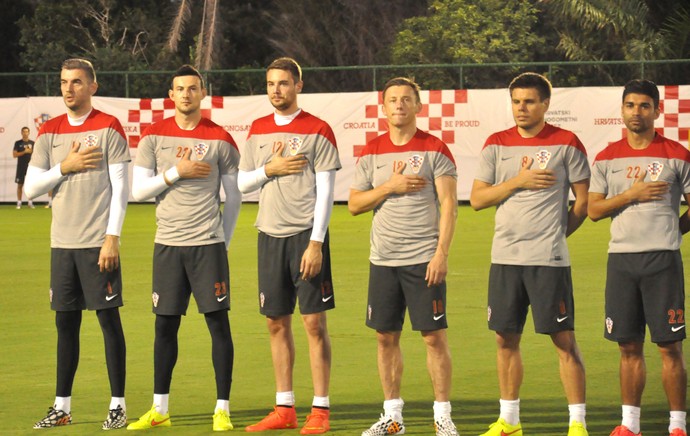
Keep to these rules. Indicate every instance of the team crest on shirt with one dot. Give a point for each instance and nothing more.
(262, 299)
(488, 313)
(369, 312)
(543, 157)
(90, 140)
(415, 162)
(294, 145)
(609, 325)
(51, 295)
(155, 297)
(200, 150)
(654, 169)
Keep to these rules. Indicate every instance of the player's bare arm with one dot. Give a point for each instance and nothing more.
(639, 192)
(446, 187)
(397, 184)
(109, 257)
(284, 166)
(189, 169)
(312, 259)
(485, 195)
(578, 211)
(684, 220)
(81, 160)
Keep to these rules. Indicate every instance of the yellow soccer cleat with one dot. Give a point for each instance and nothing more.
(577, 429)
(151, 419)
(502, 428)
(221, 421)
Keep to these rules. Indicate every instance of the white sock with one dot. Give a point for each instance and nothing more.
(677, 420)
(63, 403)
(322, 402)
(441, 409)
(285, 398)
(394, 408)
(161, 403)
(30, 203)
(631, 418)
(19, 203)
(223, 405)
(577, 413)
(118, 401)
(510, 411)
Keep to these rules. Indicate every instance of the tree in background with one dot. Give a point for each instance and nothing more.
(114, 35)
(469, 31)
(594, 30)
(337, 32)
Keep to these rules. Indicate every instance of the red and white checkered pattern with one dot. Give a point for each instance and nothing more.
(674, 121)
(151, 111)
(441, 107)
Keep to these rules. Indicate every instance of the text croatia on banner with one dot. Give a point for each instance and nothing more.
(463, 119)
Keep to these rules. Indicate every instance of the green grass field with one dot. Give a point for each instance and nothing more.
(27, 339)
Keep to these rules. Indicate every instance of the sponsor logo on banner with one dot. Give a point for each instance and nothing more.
(415, 162)
(609, 325)
(654, 169)
(294, 145)
(90, 140)
(200, 150)
(543, 157)
(39, 120)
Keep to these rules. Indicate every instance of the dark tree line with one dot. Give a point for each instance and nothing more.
(145, 36)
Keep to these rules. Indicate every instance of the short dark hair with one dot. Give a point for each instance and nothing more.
(287, 64)
(402, 81)
(532, 81)
(25, 128)
(80, 64)
(187, 70)
(644, 87)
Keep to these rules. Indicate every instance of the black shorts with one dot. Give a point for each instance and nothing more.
(392, 290)
(280, 284)
(76, 283)
(645, 289)
(548, 289)
(178, 272)
(21, 173)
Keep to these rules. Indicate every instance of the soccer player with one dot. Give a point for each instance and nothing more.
(403, 176)
(182, 161)
(83, 157)
(527, 172)
(22, 152)
(292, 157)
(638, 182)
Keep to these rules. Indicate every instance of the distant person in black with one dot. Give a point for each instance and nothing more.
(22, 152)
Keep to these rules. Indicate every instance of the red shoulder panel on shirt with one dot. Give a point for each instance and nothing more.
(660, 147)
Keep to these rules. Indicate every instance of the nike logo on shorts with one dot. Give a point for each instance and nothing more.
(110, 297)
(221, 298)
(559, 319)
(326, 299)
(437, 317)
(675, 329)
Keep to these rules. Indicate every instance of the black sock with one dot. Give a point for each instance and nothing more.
(165, 352)
(115, 349)
(223, 351)
(68, 325)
